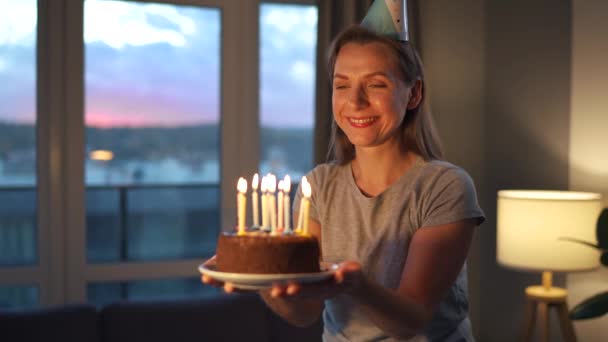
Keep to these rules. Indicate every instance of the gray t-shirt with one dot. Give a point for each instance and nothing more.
(376, 232)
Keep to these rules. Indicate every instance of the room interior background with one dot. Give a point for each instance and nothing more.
(517, 89)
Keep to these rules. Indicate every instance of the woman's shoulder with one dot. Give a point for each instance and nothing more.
(326, 170)
(324, 175)
(434, 168)
(441, 173)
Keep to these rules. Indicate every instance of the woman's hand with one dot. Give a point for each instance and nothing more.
(227, 286)
(348, 278)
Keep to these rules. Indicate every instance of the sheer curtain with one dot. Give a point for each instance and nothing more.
(334, 16)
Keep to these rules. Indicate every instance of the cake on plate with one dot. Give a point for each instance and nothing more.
(264, 253)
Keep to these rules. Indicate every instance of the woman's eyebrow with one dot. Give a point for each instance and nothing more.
(371, 74)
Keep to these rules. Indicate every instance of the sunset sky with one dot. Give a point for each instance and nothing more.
(150, 64)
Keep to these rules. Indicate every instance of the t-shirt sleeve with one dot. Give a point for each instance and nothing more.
(450, 197)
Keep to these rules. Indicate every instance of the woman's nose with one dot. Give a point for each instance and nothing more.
(357, 97)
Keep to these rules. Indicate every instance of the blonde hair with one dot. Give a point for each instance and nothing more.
(417, 131)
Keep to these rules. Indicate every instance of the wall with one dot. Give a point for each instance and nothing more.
(452, 49)
(500, 78)
(589, 138)
(528, 60)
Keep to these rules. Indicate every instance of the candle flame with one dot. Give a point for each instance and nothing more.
(255, 181)
(281, 185)
(242, 185)
(264, 185)
(272, 183)
(287, 184)
(306, 189)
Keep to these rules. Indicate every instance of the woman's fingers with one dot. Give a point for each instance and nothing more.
(278, 290)
(206, 279)
(293, 288)
(347, 271)
(229, 287)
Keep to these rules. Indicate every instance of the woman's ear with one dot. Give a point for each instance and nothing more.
(415, 95)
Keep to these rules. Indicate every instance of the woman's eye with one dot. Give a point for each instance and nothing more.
(340, 86)
(378, 85)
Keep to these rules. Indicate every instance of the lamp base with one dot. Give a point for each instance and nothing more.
(550, 294)
(542, 299)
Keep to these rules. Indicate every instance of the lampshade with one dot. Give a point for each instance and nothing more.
(532, 223)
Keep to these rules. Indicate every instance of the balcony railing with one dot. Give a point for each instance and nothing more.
(124, 223)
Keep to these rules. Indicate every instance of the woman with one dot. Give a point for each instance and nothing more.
(397, 219)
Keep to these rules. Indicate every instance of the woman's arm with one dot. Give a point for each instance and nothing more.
(436, 256)
(297, 311)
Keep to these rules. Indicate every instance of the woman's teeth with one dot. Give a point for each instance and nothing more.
(362, 121)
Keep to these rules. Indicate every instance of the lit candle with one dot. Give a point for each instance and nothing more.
(254, 200)
(272, 201)
(264, 202)
(241, 201)
(280, 203)
(307, 191)
(286, 206)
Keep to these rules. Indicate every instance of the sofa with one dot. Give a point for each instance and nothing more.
(236, 317)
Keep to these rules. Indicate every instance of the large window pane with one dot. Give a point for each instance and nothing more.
(18, 132)
(152, 114)
(18, 297)
(288, 35)
(107, 292)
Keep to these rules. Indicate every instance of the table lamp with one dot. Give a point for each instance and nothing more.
(533, 228)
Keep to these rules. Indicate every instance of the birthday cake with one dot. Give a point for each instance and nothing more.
(263, 253)
(272, 247)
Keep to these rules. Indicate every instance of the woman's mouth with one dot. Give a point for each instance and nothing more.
(362, 122)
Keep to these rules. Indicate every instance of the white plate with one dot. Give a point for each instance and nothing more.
(248, 281)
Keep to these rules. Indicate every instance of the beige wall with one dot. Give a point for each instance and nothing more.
(589, 137)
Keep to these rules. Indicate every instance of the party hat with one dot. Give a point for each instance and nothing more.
(387, 17)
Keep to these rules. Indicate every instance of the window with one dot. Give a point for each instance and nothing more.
(152, 130)
(288, 39)
(18, 195)
(121, 143)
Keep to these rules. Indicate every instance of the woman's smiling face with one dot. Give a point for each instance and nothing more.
(369, 99)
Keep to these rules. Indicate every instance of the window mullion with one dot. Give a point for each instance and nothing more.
(240, 128)
(73, 151)
(51, 232)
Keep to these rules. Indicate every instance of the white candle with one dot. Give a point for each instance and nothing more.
(264, 202)
(286, 206)
(307, 191)
(254, 200)
(280, 204)
(299, 225)
(241, 201)
(272, 202)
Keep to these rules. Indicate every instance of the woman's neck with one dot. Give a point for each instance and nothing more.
(376, 169)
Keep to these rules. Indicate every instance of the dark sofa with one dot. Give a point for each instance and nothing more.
(242, 317)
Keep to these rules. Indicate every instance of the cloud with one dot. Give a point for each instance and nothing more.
(303, 71)
(162, 63)
(18, 22)
(119, 23)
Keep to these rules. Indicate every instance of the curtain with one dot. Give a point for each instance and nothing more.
(335, 16)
